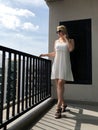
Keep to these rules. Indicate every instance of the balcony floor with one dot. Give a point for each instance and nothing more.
(76, 117)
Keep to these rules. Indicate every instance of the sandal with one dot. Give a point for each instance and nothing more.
(64, 108)
(58, 113)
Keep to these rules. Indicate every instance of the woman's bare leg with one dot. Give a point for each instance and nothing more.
(60, 92)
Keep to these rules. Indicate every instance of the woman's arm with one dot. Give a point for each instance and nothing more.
(51, 54)
(70, 42)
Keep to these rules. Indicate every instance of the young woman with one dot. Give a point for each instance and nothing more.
(61, 68)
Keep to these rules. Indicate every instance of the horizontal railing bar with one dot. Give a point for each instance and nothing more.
(20, 53)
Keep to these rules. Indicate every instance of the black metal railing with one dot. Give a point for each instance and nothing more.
(24, 83)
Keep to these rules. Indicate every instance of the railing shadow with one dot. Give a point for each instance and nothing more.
(81, 117)
(72, 119)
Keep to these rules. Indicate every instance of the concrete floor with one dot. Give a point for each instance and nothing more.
(76, 117)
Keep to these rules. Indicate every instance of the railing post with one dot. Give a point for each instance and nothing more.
(2, 86)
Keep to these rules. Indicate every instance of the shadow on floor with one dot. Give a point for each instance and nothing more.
(76, 117)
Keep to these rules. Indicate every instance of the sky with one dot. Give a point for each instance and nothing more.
(24, 25)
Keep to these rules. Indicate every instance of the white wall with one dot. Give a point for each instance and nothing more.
(67, 10)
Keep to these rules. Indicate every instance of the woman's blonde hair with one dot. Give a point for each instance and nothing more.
(63, 29)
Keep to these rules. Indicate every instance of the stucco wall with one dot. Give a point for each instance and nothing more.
(67, 10)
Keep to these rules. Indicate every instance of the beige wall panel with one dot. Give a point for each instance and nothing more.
(67, 10)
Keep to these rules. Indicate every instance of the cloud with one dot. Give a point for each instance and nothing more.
(10, 18)
(10, 22)
(18, 12)
(33, 2)
(29, 26)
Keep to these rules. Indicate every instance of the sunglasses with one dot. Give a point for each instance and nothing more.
(59, 31)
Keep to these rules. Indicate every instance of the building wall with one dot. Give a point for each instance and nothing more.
(67, 10)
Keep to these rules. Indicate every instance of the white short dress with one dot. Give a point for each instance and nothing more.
(61, 68)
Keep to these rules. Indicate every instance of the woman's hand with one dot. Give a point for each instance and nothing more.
(41, 55)
(51, 54)
(65, 38)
